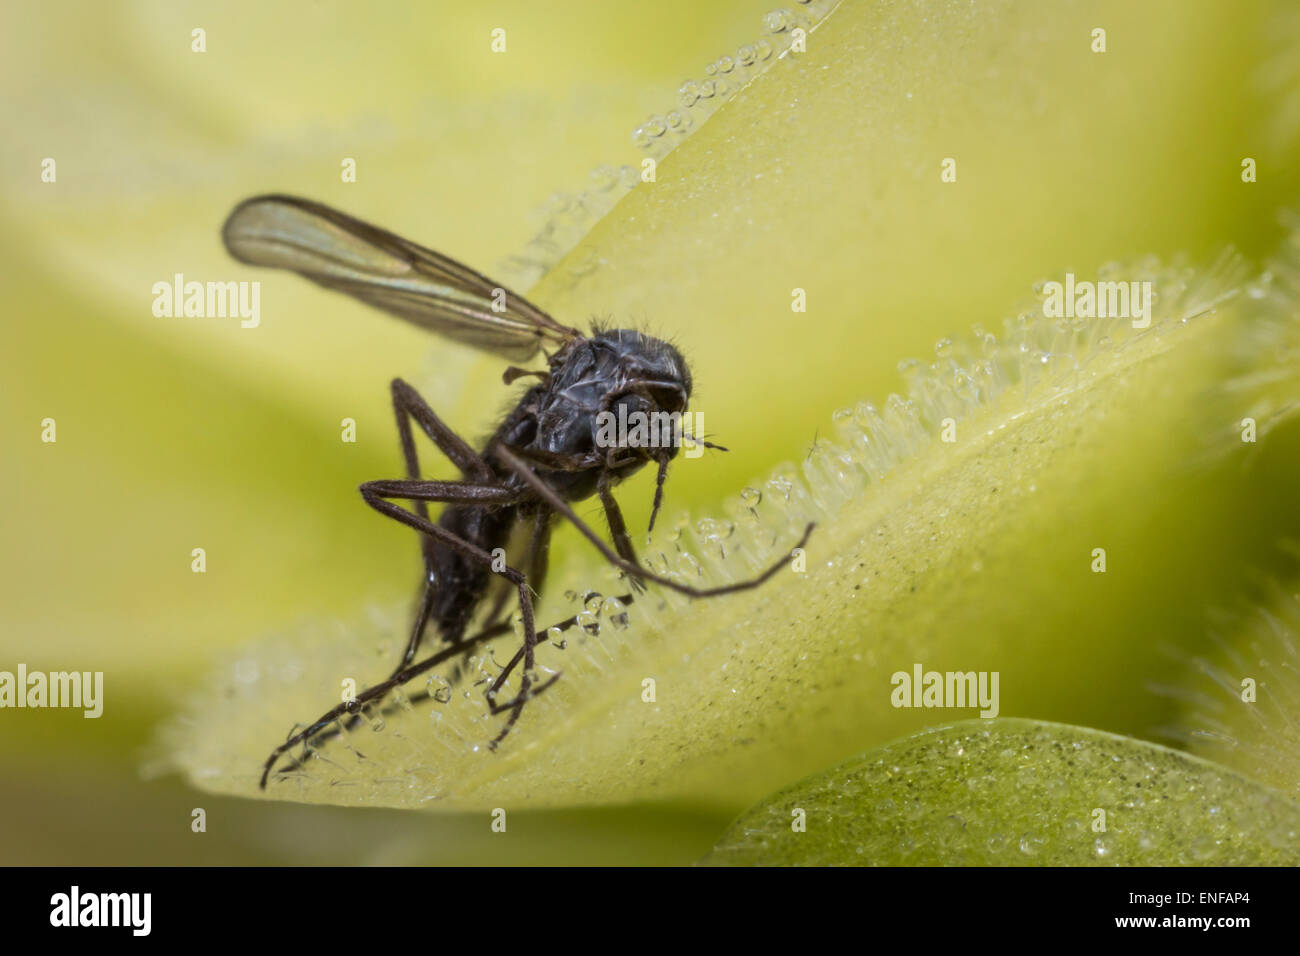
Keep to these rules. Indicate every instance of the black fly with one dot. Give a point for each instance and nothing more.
(546, 453)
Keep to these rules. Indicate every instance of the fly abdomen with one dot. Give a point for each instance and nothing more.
(461, 581)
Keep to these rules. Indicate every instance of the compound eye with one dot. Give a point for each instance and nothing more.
(626, 424)
(631, 404)
(668, 398)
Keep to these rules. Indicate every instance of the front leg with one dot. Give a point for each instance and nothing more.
(554, 460)
(618, 527)
(547, 494)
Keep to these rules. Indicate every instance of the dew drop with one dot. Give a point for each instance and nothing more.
(439, 689)
(689, 564)
(1031, 845)
(780, 487)
(777, 21)
(714, 533)
(615, 613)
(602, 178)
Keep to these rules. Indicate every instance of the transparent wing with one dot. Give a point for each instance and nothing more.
(386, 271)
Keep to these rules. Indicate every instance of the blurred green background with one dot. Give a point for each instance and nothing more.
(175, 434)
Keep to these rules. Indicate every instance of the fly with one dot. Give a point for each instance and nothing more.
(548, 452)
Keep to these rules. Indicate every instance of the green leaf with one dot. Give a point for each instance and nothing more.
(1019, 793)
(915, 534)
(1070, 438)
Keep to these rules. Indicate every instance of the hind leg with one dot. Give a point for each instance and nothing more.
(376, 494)
(409, 406)
(320, 730)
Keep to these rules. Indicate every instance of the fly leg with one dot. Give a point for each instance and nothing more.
(376, 494)
(617, 527)
(537, 560)
(553, 461)
(511, 459)
(519, 656)
(321, 730)
(408, 405)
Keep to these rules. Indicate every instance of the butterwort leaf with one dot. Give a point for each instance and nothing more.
(1019, 793)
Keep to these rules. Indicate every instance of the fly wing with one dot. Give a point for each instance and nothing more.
(390, 273)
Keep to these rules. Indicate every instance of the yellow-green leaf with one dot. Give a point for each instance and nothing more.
(1058, 539)
(1019, 793)
(1053, 425)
